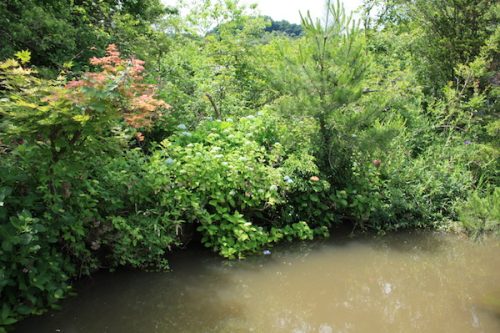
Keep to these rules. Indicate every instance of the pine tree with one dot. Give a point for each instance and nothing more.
(324, 76)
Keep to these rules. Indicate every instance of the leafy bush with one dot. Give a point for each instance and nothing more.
(308, 197)
(480, 214)
(126, 226)
(228, 178)
(398, 192)
(34, 274)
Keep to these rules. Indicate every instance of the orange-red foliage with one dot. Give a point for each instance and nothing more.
(133, 99)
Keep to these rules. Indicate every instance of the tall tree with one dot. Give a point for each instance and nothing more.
(324, 76)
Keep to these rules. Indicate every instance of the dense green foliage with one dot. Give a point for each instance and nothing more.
(388, 124)
(58, 31)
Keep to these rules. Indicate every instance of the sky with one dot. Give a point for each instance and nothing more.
(289, 9)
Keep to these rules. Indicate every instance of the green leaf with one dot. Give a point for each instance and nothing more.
(23, 56)
(81, 118)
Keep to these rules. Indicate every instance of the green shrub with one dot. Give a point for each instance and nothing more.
(228, 178)
(390, 190)
(132, 229)
(480, 214)
(308, 197)
(34, 274)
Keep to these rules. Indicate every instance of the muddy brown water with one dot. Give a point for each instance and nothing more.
(407, 282)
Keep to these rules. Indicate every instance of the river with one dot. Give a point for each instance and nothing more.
(404, 282)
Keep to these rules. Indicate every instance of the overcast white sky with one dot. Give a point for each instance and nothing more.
(289, 9)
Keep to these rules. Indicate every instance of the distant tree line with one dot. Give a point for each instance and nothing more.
(285, 27)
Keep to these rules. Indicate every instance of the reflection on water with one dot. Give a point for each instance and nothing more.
(418, 282)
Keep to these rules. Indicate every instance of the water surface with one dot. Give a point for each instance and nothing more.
(411, 282)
